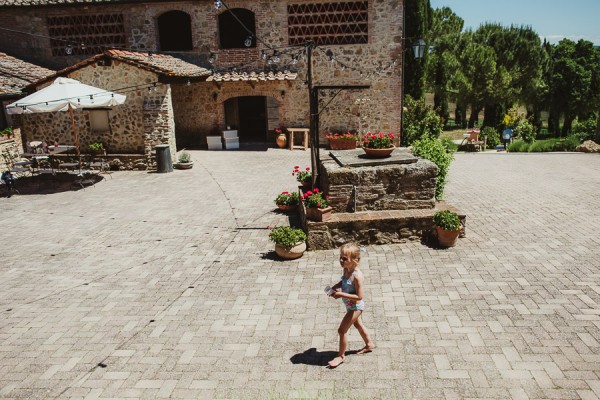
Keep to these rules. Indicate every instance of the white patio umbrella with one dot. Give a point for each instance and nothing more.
(65, 94)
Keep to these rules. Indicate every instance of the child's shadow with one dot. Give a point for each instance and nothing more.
(314, 357)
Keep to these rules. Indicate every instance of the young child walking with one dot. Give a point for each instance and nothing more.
(350, 289)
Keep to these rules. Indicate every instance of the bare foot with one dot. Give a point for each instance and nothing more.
(367, 349)
(335, 362)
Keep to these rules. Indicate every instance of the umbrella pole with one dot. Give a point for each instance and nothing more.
(75, 134)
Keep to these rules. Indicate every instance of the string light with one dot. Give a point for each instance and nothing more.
(218, 4)
(69, 49)
(211, 58)
(248, 41)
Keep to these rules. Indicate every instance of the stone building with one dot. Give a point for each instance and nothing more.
(242, 65)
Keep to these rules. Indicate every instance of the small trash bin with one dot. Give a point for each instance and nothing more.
(163, 158)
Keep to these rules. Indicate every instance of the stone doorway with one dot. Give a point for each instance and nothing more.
(248, 115)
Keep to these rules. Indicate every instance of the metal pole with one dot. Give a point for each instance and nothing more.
(312, 111)
(75, 134)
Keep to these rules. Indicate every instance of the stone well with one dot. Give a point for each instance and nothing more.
(376, 201)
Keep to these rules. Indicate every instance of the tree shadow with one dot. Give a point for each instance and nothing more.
(50, 184)
(314, 357)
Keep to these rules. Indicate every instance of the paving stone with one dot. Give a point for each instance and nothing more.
(165, 285)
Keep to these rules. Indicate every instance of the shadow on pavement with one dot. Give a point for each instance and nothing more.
(314, 357)
(49, 184)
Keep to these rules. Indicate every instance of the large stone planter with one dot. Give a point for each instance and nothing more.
(291, 253)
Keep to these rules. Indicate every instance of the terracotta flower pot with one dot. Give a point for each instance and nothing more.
(281, 140)
(319, 214)
(187, 165)
(342, 144)
(291, 253)
(287, 208)
(447, 238)
(379, 153)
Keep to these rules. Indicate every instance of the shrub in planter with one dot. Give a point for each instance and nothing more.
(492, 137)
(447, 225)
(289, 242)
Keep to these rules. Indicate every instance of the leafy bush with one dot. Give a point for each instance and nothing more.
(287, 199)
(450, 146)
(525, 131)
(447, 220)
(315, 198)
(184, 157)
(434, 151)
(378, 140)
(584, 130)
(96, 146)
(493, 137)
(419, 120)
(286, 236)
(555, 144)
(302, 176)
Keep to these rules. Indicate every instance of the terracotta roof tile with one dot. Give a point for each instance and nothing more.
(15, 74)
(252, 76)
(164, 64)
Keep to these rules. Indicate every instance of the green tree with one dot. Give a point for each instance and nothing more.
(418, 14)
(574, 82)
(442, 62)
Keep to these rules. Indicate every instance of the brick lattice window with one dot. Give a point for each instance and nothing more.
(98, 32)
(329, 23)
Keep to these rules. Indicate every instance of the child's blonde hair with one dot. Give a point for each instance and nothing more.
(351, 248)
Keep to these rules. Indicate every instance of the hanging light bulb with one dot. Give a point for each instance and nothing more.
(295, 59)
(188, 82)
(263, 55)
(69, 49)
(248, 41)
(211, 58)
(150, 56)
(82, 46)
(218, 4)
(275, 56)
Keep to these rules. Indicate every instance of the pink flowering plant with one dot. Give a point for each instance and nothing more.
(315, 199)
(302, 176)
(378, 140)
(342, 136)
(287, 199)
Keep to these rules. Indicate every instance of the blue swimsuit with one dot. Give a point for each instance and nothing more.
(348, 287)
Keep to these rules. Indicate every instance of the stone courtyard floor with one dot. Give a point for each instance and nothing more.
(165, 286)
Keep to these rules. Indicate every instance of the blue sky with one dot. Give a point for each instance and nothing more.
(551, 19)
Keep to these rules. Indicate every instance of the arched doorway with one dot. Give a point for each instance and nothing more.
(252, 116)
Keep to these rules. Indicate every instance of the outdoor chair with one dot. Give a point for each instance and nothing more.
(471, 141)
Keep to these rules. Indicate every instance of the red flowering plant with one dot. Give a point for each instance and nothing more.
(302, 176)
(315, 199)
(279, 130)
(378, 140)
(342, 136)
(287, 199)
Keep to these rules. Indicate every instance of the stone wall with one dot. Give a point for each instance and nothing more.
(145, 120)
(196, 112)
(10, 150)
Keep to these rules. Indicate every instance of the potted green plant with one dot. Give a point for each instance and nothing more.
(342, 141)
(378, 144)
(96, 148)
(290, 243)
(316, 203)
(302, 176)
(448, 227)
(287, 201)
(184, 161)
